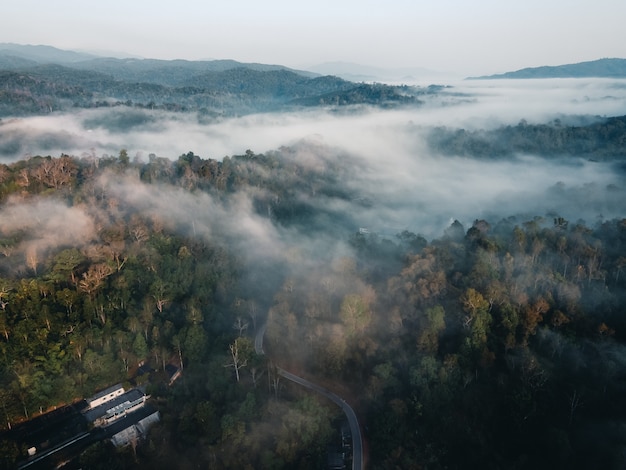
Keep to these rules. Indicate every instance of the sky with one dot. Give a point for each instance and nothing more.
(457, 36)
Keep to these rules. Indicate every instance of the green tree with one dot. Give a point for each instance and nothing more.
(432, 325)
(196, 343)
(356, 312)
(123, 158)
(477, 319)
(65, 266)
(140, 348)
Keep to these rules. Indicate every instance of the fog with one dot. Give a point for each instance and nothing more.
(406, 185)
(199, 215)
(470, 104)
(30, 230)
(372, 170)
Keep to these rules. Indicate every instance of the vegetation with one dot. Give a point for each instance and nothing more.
(499, 345)
(180, 86)
(603, 139)
(606, 68)
(90, 286)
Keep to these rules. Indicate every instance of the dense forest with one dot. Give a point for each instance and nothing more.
(602, 139)
(496, 345)
(232, 90)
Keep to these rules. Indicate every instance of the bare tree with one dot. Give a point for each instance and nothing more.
(93, 278)
(32, 258)
(256, 374)
(240, 326)
(237, 361)
(574, 403)
(63, 171)
(160, 295)
(4, 293)
(23, 178)
(42, 172)
(114, 251)
(138, 229)
(275, 384)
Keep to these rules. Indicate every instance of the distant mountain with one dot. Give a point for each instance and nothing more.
(42, 79)
(165, 72)
(601, 68)
(11, 62)
(41, 54)
(171, 72)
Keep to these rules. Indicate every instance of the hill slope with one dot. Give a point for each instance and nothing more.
(41, 54)
(45, 79)
(601, 68)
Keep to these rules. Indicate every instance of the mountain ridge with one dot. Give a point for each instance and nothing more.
(51, 81)
(41, 53)
(599, 68)
(15, 56)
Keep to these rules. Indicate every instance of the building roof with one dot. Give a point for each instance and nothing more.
(101, 410)
(125, 436)
(135, 431)
(105, 392)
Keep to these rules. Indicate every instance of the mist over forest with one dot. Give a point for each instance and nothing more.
(451, 265)
(418, 167)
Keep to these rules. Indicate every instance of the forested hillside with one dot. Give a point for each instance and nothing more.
(606, 68)
(602, 139)
(224, 88)
(496, 345)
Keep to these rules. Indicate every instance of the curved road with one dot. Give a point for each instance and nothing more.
(258, 340)
(357, 442)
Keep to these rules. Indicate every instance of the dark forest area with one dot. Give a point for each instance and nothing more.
(602, 139)
(233, 90)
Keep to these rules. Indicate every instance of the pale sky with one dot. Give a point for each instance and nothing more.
(468, 37)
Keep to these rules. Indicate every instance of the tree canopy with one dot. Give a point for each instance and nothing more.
(496, 345)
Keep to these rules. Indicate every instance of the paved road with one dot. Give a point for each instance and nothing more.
(357, 442)
(78, 440)
(75, 445)
(258, 340)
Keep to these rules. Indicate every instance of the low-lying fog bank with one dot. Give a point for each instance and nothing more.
(406, 184)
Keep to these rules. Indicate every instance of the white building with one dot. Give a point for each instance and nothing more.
(115, 408)
(105, 395)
